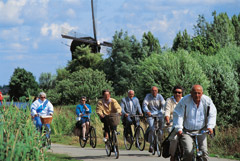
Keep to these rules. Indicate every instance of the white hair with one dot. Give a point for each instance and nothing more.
(131, 91)
(42, 94)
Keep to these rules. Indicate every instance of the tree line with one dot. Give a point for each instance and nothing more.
(211, 57)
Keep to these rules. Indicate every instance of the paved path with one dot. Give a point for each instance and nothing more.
(90, 154)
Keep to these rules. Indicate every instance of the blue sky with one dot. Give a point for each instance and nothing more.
(30, 30)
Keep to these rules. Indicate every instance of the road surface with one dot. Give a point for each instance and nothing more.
(97, 154)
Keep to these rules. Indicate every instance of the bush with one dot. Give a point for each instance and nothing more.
(167, 70)
(86, 82)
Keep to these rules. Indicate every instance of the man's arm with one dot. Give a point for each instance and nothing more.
(122, 104)
(212, 117)
(145, 106)
(178, 116)
(138, 106)
(33, 109)
(99, 109)
(168, 111)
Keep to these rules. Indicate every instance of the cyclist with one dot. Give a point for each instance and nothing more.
(41, 107)
(153, 104)
(1, 98)
(130, 106)
(194, 113)
(82, 111)
(105, 107)
(169, 107)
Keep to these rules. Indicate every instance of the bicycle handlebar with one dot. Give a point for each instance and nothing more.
(197, 134)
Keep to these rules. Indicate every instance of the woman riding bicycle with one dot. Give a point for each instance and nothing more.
(41, 107)
(105, 107)
(83, 111)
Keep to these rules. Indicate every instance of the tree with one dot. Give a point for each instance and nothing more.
(85, 82)
(182, 41)
(85, 59)
(47, 81)
(22, 83)
(236, 24)
(167, 70)
(119, 66)
(150, 44)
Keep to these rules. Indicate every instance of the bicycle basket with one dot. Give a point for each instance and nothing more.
(114, 119)
(46, 119)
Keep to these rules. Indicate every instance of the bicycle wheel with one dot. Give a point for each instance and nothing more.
(49, 143)
(93, 137)
(128, 141)
(115, 144)
(108, 147)
(140, 141)
(82, 142)
(158, 143)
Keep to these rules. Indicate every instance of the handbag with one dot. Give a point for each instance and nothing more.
(166, 146)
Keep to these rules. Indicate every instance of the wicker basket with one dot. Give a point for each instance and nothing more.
(114, 119)
(46, 120)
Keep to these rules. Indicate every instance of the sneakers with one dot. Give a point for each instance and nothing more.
(104, 140)
(84, 139)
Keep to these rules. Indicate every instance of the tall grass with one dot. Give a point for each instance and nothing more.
(18, 136)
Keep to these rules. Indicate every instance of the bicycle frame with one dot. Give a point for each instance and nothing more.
(157, 136)
(198, 153)
(136, 137)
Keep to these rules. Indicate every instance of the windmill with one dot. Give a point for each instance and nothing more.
(78, 40)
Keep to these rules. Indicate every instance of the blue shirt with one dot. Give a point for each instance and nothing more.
(81, 110)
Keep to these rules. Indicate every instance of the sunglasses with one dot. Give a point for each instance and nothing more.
(42, 97)
(176, 92)
(83, 100)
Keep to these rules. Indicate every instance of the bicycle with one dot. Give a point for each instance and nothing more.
(138, 136)
(197, 152)
(46, 131)
(111, 145)
(157, 140)
(93, 136)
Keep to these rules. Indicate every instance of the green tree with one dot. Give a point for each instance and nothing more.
(85, 82)
(182, 41)
(224, 88)
(119, 66)
(236, 24)
(167, 70)
(222, 29)
(47, 81)
(22, 83)
(84, 58)
(150, 44)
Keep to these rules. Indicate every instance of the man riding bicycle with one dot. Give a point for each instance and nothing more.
(41, 107)
(194, 113)
(153, 104)
(130, 106)
(105, 107)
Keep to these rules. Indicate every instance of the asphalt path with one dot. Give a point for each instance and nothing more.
(97, 154)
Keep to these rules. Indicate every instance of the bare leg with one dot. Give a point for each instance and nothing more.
(83, 129)
(87, 127)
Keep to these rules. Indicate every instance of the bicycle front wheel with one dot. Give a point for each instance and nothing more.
(82, 142)
(128, 141)
(115, 144)
(108, 147)
(140, 141)
(93, 137)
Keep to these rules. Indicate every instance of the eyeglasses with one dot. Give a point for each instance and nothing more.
(176, 92)
(83, 100)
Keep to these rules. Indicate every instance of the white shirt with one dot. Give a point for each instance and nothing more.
(195, 117)
(47, 110)
(131, 104)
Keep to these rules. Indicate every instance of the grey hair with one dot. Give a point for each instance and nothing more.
(131, 90)
(42, 94)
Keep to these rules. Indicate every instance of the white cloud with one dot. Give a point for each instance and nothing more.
(72, 1)
(11, 11)
(15, 57)
(54, 30)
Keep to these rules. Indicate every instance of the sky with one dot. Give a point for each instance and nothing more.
(30, 30)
